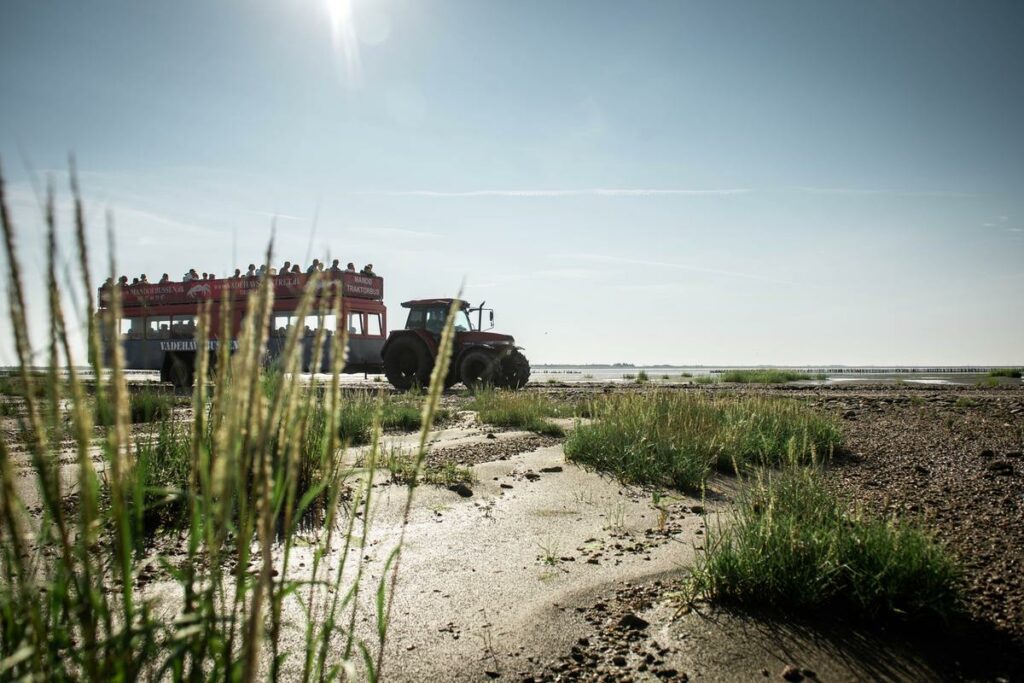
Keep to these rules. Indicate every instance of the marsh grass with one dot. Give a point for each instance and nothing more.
(525, 410)
(144, 405)
(642, 377)
(706, 379)
(793, 545)
(257, 458)
(402, 466)
(675, 439)
(1013, 373)
(769, 376)
(396, 413)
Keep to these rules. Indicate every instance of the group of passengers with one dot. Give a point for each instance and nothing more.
(287, 269)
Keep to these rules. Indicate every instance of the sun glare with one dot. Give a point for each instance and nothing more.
(344, 40)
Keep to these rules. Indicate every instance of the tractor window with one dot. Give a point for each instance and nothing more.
(435, 319)
(355, 324)
(158, 328)
(373, 325)
(417, 319)
(462, 323)
(183, 327)
(131, 328)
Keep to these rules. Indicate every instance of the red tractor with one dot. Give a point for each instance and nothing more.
(478, 358)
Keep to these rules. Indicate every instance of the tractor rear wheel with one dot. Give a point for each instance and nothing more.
(478, 369)
(513, 372)
(407, 363)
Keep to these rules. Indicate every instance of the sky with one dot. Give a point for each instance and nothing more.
(791, 182)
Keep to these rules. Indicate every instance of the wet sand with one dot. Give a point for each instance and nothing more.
(547, 571)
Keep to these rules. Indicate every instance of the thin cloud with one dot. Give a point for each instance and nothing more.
(584, 192)
(880, 191)
(602, 258)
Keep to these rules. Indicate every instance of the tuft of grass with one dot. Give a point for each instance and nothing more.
(525, 410)
(161, 479)
(966, 402)
(769, 376)
(146, 405)
(397, 414)
(685, 375)
(403, 468)
(793, 545)
(641, 377)
(706, 379)
(988, 383)
(667, 438)
(16, 386)
(1014, 373)
(629, 376)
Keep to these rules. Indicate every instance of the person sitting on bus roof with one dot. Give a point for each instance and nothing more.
(109, 282)
(262, 270)
(165, 278)
(335, 268)
(350, 268)
(287, 268)
(122, 281)
(190, 275)
(296, 270)
(237, 275)
(252, 270)
(368, 270)
(313, 267)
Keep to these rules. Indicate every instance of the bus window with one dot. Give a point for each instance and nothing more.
(373, 326)
(355, 323)
(158, 328)
(131, 328)
(183, 327)
(282, 325)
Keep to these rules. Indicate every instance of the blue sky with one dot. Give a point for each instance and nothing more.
(719, 183)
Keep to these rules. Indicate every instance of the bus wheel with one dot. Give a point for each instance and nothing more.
(178, 371)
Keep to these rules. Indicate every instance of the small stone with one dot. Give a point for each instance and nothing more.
(492, 674)
(619, 660)
(490, 435)
(810, 673)
(551, 470)
(1001, 468)
(506, 486)
(633, 622)
(461, 489)
(791, 673)
(697, 509)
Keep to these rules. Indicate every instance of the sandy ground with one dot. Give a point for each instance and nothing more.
(548, 572)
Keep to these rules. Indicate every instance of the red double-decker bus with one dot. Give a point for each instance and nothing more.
(158, 322)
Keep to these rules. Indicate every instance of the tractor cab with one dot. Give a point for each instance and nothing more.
(478, 356)
(430, 315)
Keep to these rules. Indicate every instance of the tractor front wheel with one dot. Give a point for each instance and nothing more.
(513, 371)
(407, 363)
(478, 369)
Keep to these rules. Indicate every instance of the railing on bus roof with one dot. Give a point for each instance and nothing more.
(291, 286)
